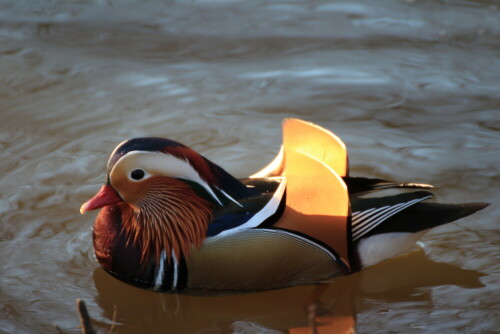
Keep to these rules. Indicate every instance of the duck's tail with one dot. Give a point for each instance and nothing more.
(386, 227)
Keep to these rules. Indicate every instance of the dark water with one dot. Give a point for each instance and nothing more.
(413, 88)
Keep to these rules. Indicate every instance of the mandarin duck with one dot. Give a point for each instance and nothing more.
(171, 219)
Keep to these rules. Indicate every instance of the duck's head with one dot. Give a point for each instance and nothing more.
(166, 193)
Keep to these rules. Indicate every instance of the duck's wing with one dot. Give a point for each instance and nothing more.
(385, 227)
(317, 202)
(369, 213)
(293, 237)
(313, 140)
(312, 160)
(244, 250)
(405, 213)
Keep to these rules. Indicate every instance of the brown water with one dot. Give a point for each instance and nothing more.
(412, 87)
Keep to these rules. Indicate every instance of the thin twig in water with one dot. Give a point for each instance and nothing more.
(311, 318)
(84, 318)
(113, 321)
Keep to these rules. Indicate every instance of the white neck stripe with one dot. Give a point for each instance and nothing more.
(160, 273)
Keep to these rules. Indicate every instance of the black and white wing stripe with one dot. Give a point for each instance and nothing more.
(364, 221)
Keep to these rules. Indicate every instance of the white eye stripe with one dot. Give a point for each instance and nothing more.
(159, 163)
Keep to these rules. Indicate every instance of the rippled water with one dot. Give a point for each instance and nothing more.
(411, 86)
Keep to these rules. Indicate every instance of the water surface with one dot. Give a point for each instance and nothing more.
(411, 86)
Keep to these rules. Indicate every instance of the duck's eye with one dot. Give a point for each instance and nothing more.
(137, 174)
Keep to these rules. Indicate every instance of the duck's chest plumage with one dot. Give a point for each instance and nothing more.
(242, 251)
(122, 258)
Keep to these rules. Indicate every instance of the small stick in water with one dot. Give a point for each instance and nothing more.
(84, 318)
